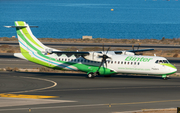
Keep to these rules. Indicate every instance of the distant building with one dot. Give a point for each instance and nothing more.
(86, 37)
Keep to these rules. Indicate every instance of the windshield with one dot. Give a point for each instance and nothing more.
(162, 61)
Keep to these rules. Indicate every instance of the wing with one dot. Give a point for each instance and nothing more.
(87, 53)
(140, 50)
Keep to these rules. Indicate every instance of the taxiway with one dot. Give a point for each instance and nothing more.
(77, 94)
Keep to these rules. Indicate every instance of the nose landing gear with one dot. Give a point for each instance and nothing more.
(164, 77)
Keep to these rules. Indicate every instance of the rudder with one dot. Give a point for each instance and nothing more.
(27, 41)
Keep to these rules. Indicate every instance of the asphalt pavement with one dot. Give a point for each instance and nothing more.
(78, 94)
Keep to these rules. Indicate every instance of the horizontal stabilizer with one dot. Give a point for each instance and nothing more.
(19, 26)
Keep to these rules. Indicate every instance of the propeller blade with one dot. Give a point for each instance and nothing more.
(106, 63)
(103, 48)
(138, 46)
(101, 64)
(104, 57)
(133, 47)
(108, 49)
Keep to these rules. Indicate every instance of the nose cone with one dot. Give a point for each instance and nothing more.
(172, 68)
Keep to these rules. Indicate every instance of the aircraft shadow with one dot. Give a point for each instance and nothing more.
(48, 74)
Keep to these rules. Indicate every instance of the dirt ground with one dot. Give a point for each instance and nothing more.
(163, 53)
(172, 110)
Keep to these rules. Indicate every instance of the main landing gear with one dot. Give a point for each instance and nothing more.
(91, 75)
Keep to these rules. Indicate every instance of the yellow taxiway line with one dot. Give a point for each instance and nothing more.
(26, 96)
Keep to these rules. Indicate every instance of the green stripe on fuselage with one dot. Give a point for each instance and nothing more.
(26, 33)
(169, 65)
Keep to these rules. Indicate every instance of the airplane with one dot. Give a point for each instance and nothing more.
(93, 63)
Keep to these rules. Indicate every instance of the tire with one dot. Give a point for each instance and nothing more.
(90, 75)
(165, 78)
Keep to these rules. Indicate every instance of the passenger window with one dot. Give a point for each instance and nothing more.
(118, 62)
(115, 62)
(108, 62)
(62, 59)
(131, 63)
(138, 63)
(134, 63)
(124, 62)
(111, 62)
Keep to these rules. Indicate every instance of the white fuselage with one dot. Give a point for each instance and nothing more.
(127, 64)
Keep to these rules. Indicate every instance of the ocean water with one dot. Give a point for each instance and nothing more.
(131, 19)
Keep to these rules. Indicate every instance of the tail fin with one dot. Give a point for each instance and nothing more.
(27, 41)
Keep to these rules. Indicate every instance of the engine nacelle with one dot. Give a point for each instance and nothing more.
(94, 56)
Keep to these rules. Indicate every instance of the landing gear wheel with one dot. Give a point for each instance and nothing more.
(90, 75)
(165, 78)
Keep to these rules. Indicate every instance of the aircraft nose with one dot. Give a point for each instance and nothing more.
(173, 69)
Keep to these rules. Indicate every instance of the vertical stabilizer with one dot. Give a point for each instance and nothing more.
(27, 41)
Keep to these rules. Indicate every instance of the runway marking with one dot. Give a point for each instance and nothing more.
(11, 60)
(55, 84)
(91, 105)
(26, 96)
(18, 102)
(148, 102)
(89, 89)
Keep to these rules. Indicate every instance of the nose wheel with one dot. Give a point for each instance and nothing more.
(165, 77)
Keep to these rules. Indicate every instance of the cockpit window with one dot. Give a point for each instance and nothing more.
(157, 61)
(165, 61)
(161, 61)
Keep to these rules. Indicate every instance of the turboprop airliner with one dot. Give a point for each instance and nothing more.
(93, 63)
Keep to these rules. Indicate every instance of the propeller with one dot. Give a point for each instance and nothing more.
(133, 47)
(104, 57)
(137, 48)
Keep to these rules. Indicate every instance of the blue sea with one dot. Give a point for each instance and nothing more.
(130, 19)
